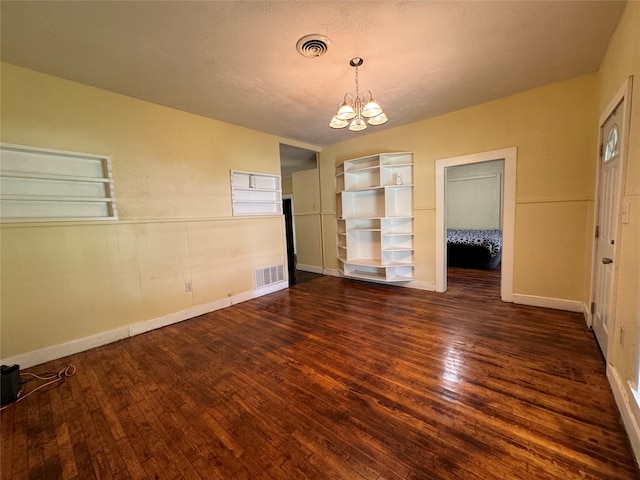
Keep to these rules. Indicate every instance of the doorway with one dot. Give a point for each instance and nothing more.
(614, 128)
(509, 156)
(287, 210)
(473, 222)
(300, 186)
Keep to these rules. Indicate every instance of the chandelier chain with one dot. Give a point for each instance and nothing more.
(357, 89)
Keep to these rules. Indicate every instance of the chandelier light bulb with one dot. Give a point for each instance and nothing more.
(378, 119)
(337, 123)
(371, 109)
(357, 124)
(345, 112)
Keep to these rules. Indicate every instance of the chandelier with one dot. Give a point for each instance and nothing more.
(359, 112)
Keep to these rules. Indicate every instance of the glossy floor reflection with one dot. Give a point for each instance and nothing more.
(333, 378)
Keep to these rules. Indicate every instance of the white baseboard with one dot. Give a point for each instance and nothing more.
(308, 268)
(36, 357)
(332, 271)
(624, 406)
(588, 316)
(428, 286)
(546, 302)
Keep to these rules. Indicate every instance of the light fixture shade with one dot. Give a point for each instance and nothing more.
(371, 109)
(357, 124)
(378, 119)
(345, 112)
(337, 123)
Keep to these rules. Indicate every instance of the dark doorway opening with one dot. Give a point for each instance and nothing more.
(291, 249)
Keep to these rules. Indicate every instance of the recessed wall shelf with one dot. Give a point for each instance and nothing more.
(374, 207)
(255, 193)
(43, 185)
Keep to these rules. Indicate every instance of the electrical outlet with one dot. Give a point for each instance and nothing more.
(188, 287)
(621, 335)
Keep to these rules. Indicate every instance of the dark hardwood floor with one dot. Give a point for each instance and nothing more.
(303, 276)
(333, 379)
(473, 284)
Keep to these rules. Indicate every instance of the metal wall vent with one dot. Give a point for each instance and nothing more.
(313, 45)
(269, 275)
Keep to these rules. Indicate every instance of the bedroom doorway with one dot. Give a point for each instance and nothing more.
(507, 215)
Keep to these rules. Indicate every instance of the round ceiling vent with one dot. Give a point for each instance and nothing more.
(313, 45)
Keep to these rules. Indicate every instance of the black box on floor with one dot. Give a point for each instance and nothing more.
(10, 384)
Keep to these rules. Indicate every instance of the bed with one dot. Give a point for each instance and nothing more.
(480, 249)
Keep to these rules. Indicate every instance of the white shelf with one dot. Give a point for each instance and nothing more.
(375, 276)
(46, 198)
(254, 193)
(40, 184)
(363, 169)
(374, 206)
(255, 202)
(243, 189)
(364, 189)
(365, 275)
(364, 262)
(400, 278)
(52, 176)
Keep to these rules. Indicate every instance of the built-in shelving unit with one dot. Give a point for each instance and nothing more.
(374, 207)
(44, 185)
(255, 193)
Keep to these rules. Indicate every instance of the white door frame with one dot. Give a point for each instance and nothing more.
(623, 93)
(509, 155)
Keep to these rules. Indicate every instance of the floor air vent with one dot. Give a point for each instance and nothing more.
(269, 275)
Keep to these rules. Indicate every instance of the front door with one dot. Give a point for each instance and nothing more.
(607, 224)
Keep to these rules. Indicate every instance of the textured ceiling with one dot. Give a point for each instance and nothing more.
(236, 61)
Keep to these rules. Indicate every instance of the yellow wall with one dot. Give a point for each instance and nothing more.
(171, 176)
(622, 60)
(287, 185)
(474, 196)
(554, 130)
(306, 205)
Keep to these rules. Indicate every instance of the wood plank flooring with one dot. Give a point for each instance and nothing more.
(333, 379)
